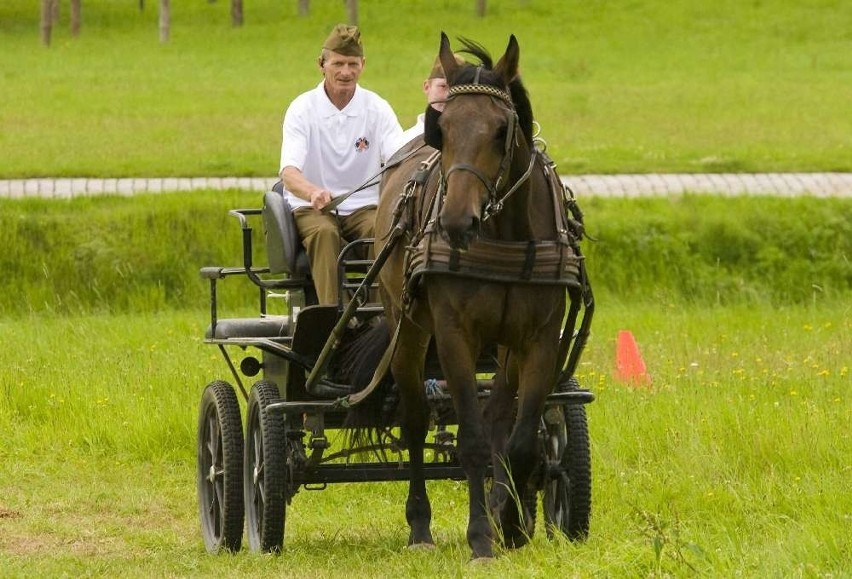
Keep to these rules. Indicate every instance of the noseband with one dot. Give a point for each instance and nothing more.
(495, 201)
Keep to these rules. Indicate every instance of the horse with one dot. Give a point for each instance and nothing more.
(480, 252)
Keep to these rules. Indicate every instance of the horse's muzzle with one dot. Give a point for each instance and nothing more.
(459, 232)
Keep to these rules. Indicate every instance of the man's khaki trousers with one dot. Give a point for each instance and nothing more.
(323, 236)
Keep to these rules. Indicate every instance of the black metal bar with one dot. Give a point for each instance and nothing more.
(343, 265)
(233, 371)
(584, 331)
(571, 397)
(213, 307)
(566, 338)
(376, 472)
(298, 407)
(270, 345)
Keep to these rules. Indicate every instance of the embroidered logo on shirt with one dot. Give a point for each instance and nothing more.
(362, 144)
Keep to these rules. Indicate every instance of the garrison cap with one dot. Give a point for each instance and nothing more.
(345, 40)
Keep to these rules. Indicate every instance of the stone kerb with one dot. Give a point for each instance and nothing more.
(636, 185)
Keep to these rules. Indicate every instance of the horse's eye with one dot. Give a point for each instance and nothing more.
(500, 136)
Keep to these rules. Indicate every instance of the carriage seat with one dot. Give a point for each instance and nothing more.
(285, 252)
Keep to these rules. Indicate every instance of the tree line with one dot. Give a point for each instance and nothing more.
(50, 15)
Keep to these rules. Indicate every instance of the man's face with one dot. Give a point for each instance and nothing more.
(436, 90)
(341, 72)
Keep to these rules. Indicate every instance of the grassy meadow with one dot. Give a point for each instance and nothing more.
(734, 462)
(618, 87)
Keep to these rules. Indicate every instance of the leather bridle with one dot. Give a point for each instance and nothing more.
(495, 200)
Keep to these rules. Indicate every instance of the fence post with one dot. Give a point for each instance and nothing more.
(46, 21)
(165, 20)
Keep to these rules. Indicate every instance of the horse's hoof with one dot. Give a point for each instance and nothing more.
(516, 541)
(421, 547)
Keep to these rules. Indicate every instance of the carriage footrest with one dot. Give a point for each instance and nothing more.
(571, 397)
(268, 327)
(303, 406)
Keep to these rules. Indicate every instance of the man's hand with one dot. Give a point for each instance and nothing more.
(296, 183)
(320, 198)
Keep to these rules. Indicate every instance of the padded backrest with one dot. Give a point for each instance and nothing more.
(284, 249)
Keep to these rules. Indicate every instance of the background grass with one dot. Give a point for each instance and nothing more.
(618, 86)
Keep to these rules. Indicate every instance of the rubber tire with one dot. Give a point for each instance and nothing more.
(530, 501)
(220, 459)
(567, 498)
(265, 471)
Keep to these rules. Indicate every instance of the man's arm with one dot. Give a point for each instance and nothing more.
(296, 183)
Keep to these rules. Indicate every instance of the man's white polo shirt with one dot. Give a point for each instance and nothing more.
(339, 150)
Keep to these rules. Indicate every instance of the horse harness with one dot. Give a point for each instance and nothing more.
(543, 262)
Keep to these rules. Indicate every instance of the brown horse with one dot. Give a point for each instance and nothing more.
(487, 258)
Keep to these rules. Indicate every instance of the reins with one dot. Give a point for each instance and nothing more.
(374, 180)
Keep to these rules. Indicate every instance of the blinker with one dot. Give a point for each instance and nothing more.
(431, 130)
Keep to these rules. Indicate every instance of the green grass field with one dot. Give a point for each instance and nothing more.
(618, 86)
(735, 462)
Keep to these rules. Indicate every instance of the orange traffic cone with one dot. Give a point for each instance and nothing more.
(629, 365)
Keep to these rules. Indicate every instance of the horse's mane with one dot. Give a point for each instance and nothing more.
(518, 92)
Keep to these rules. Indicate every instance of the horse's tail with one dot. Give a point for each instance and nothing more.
(359, 359)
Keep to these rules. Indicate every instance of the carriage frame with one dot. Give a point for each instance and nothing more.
(249, 471)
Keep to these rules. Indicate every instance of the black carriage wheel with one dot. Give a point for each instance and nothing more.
(264, 473)
(530, 501)
(220, 458)
(567, 499)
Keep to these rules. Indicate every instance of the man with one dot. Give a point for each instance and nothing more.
(335, 139)
(436, 90)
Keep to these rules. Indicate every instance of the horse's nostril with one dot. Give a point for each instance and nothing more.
(459, 232)
(454, 226)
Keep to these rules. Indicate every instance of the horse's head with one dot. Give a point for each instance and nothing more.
(477, 136)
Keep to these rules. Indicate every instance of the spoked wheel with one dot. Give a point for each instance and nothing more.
(220, 458)
(264, 473)
(567, 500)
(530, 501)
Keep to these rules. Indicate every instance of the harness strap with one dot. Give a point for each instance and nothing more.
(492, 189)
(529, 261)
(381, 370)
(496, 205)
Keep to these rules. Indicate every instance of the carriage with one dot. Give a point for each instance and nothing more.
(300, 369)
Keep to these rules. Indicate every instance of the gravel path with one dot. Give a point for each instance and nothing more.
(781, 184)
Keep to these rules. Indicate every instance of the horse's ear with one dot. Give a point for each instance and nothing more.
(507, 66)
(431, 129)
(448, 59)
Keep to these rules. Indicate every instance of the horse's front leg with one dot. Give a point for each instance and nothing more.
(458, 362)
(499, 415)
(407, 367)
(535, 381)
